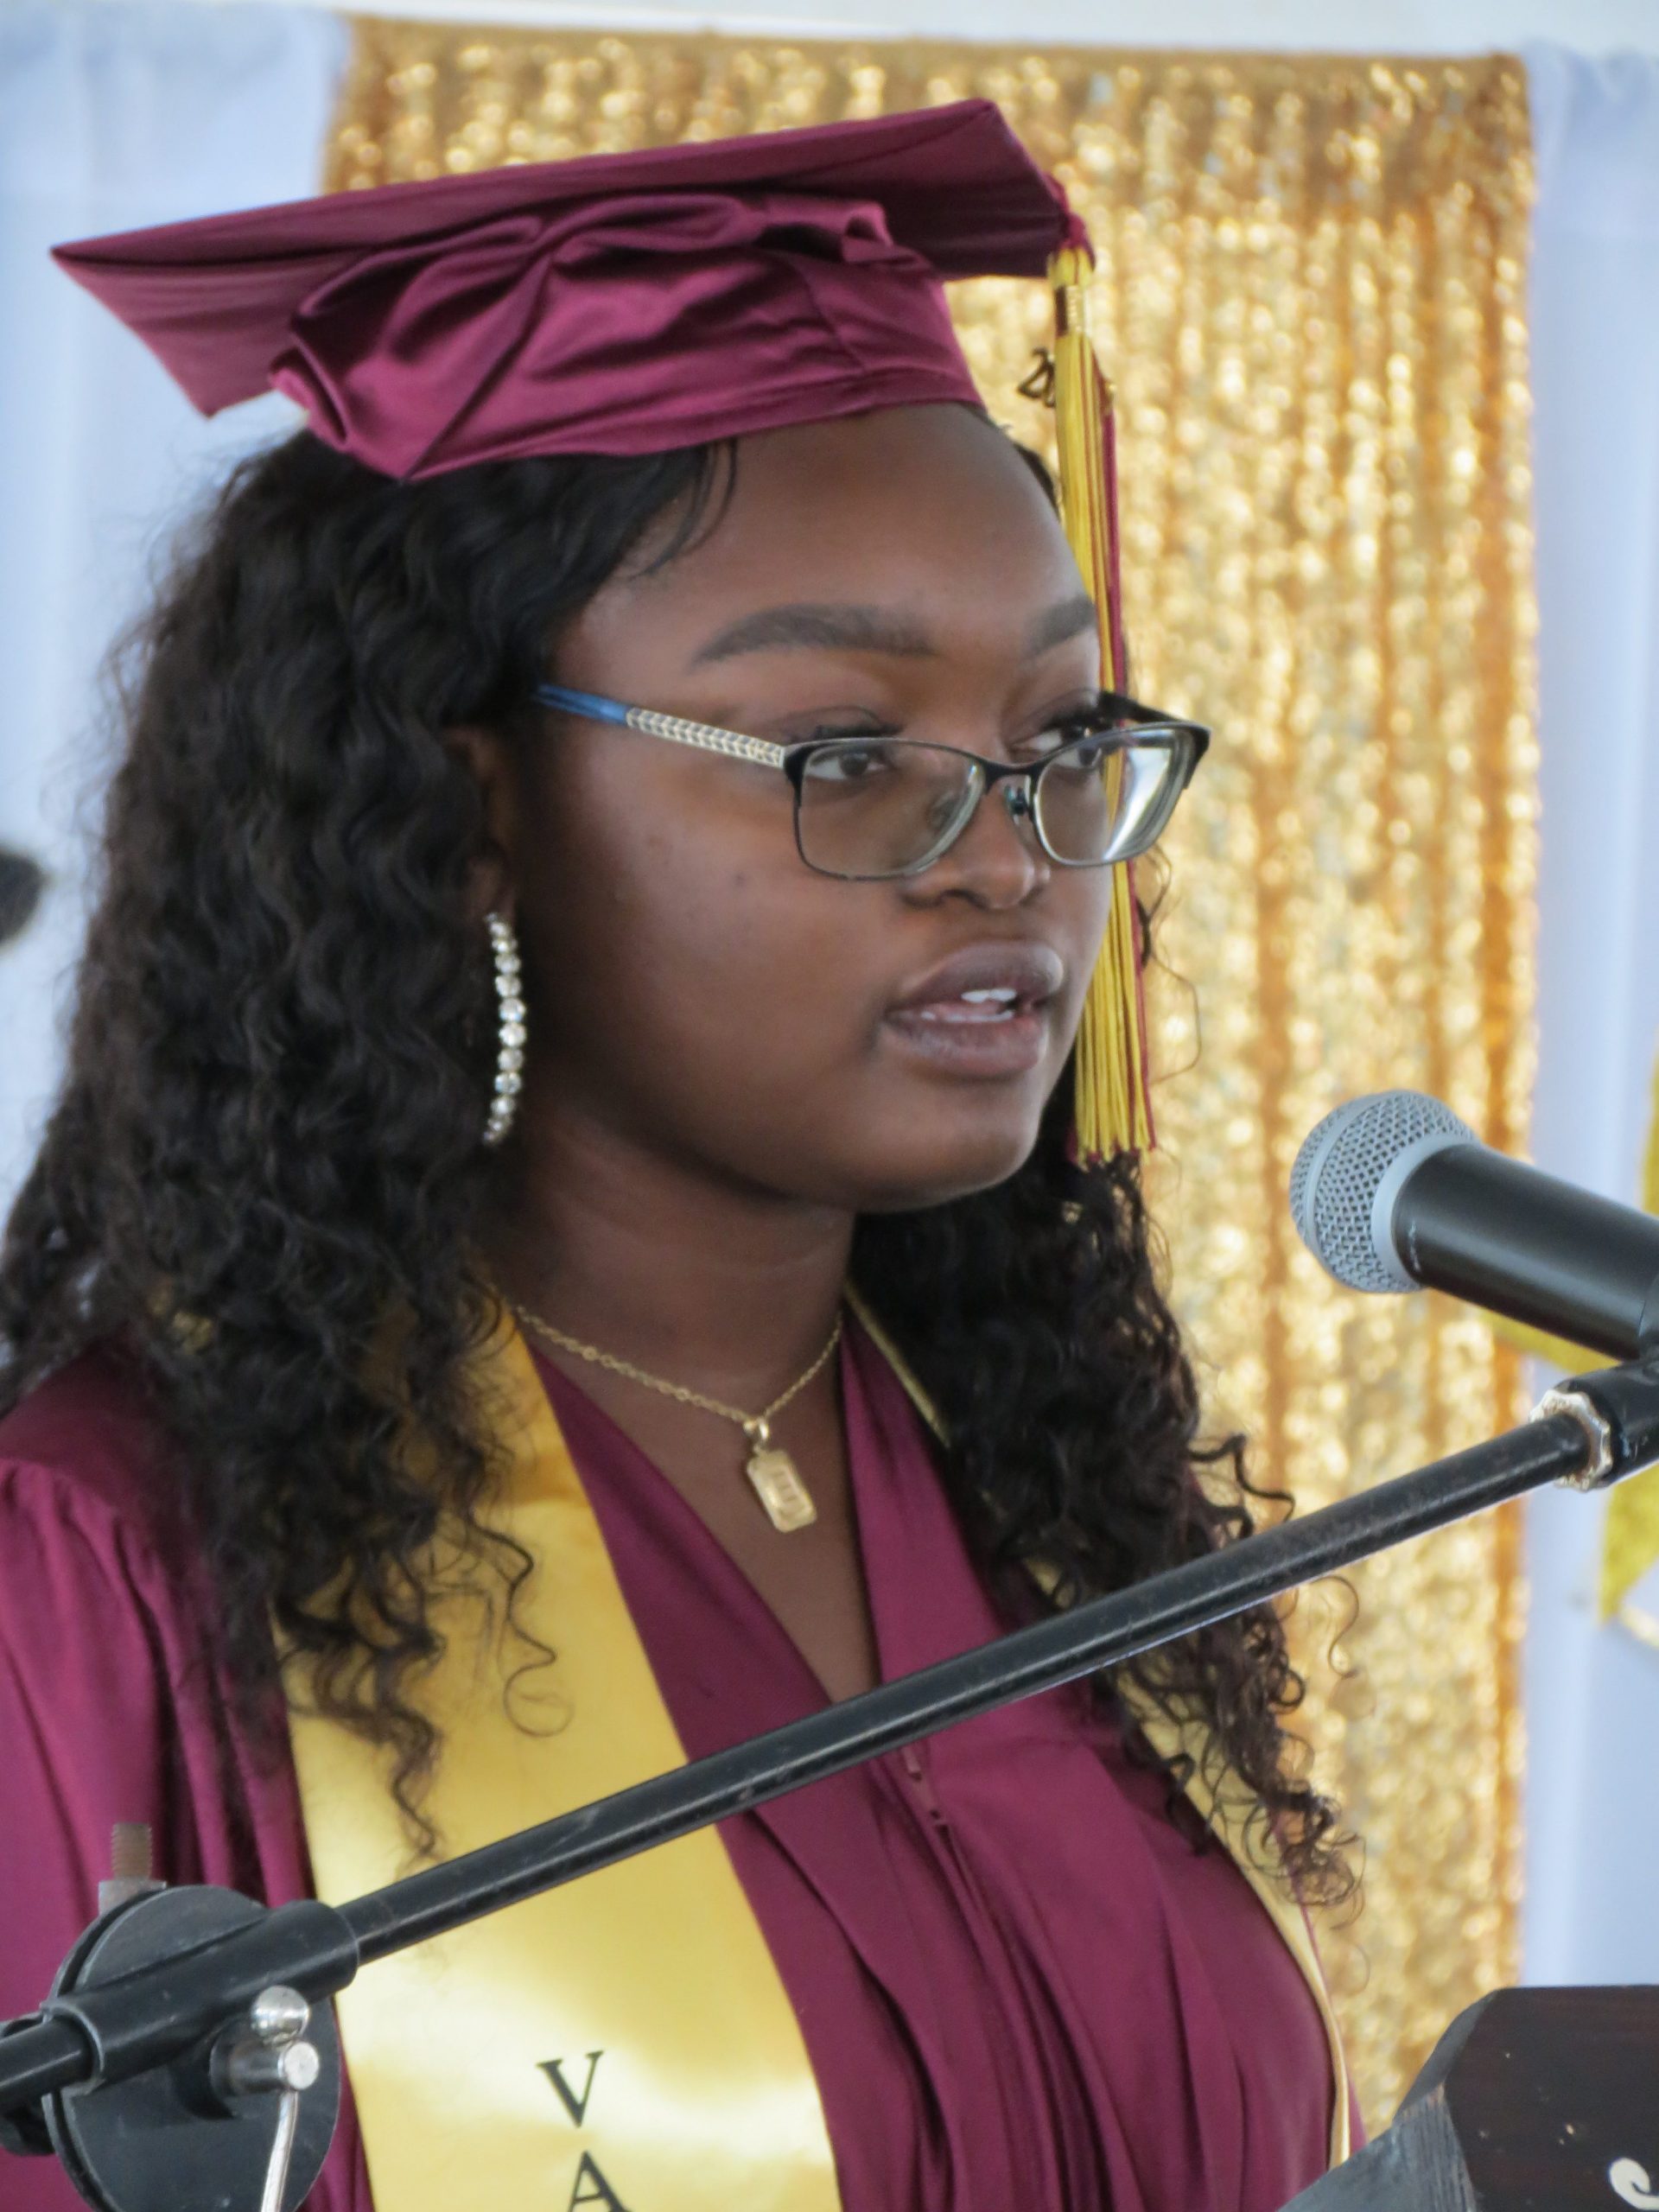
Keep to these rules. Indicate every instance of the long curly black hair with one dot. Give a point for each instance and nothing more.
(262, 1181)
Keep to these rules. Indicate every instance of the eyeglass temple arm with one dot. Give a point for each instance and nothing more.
(592, 706)
(702, 735)
(588, 704)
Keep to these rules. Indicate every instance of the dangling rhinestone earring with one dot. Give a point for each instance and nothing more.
(509, 1047)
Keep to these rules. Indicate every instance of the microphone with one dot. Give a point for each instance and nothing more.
(1394, 1192)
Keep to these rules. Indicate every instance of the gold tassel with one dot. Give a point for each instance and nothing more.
(1113, 1106)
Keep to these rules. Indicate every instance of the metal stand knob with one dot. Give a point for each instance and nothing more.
(267, 2058)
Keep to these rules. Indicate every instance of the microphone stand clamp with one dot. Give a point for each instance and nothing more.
(1617, 1409)
(1598, 1434)
(244, 2117)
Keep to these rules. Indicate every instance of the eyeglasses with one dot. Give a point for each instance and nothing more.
(1101, 787)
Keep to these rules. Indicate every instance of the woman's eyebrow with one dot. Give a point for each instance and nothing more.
(849, 629)
(870, 629)
(1060, 623)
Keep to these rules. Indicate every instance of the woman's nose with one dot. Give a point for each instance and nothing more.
(997, 861)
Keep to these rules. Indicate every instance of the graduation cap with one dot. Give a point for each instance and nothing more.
(633, 303)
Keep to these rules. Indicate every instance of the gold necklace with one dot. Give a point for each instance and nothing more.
(774, 1476)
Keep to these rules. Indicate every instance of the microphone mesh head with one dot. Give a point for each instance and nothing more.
(1340, 1169)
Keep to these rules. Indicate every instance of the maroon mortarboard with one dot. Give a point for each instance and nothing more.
(620, 303)
(630, 303)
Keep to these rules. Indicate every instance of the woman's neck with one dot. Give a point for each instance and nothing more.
(700, 1280)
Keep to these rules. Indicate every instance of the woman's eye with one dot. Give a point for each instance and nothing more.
(1060, 734)
(1091, 747)
(1085, 718)
(846, 762)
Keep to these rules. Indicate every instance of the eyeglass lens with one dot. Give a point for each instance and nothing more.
(884, 809)
(1095, 803)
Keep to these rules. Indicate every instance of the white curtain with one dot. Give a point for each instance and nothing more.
(111, 116)
(1592, 1694)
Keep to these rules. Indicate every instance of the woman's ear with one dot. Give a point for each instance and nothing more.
(488, 760)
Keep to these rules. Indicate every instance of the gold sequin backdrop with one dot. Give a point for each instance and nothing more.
(1310, 292)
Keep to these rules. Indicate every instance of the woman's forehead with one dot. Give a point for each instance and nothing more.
(868, 536)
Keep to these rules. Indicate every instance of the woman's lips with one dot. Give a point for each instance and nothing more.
(1012, 1045)
(984, 1012)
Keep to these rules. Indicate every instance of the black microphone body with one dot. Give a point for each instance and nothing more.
(1519, 1242)
(1394, 1192)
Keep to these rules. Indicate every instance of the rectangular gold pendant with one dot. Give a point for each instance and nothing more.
(779, 1486)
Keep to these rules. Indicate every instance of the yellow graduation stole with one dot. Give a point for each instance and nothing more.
(622, 2043)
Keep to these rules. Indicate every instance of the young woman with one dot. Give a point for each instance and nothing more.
(494, 1129)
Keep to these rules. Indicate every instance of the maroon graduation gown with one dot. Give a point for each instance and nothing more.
(1018, 1980)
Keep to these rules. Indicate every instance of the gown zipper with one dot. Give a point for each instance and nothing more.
(921, 1783)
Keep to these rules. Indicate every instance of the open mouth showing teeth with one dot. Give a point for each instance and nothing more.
(995, 1005)
(992, 999)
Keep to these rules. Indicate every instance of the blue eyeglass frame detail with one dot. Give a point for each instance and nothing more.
(1190, 741)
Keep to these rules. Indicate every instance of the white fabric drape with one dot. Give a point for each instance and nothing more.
(111, 116)
(1592, 1909)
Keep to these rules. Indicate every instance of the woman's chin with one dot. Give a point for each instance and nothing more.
(931, 1167)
